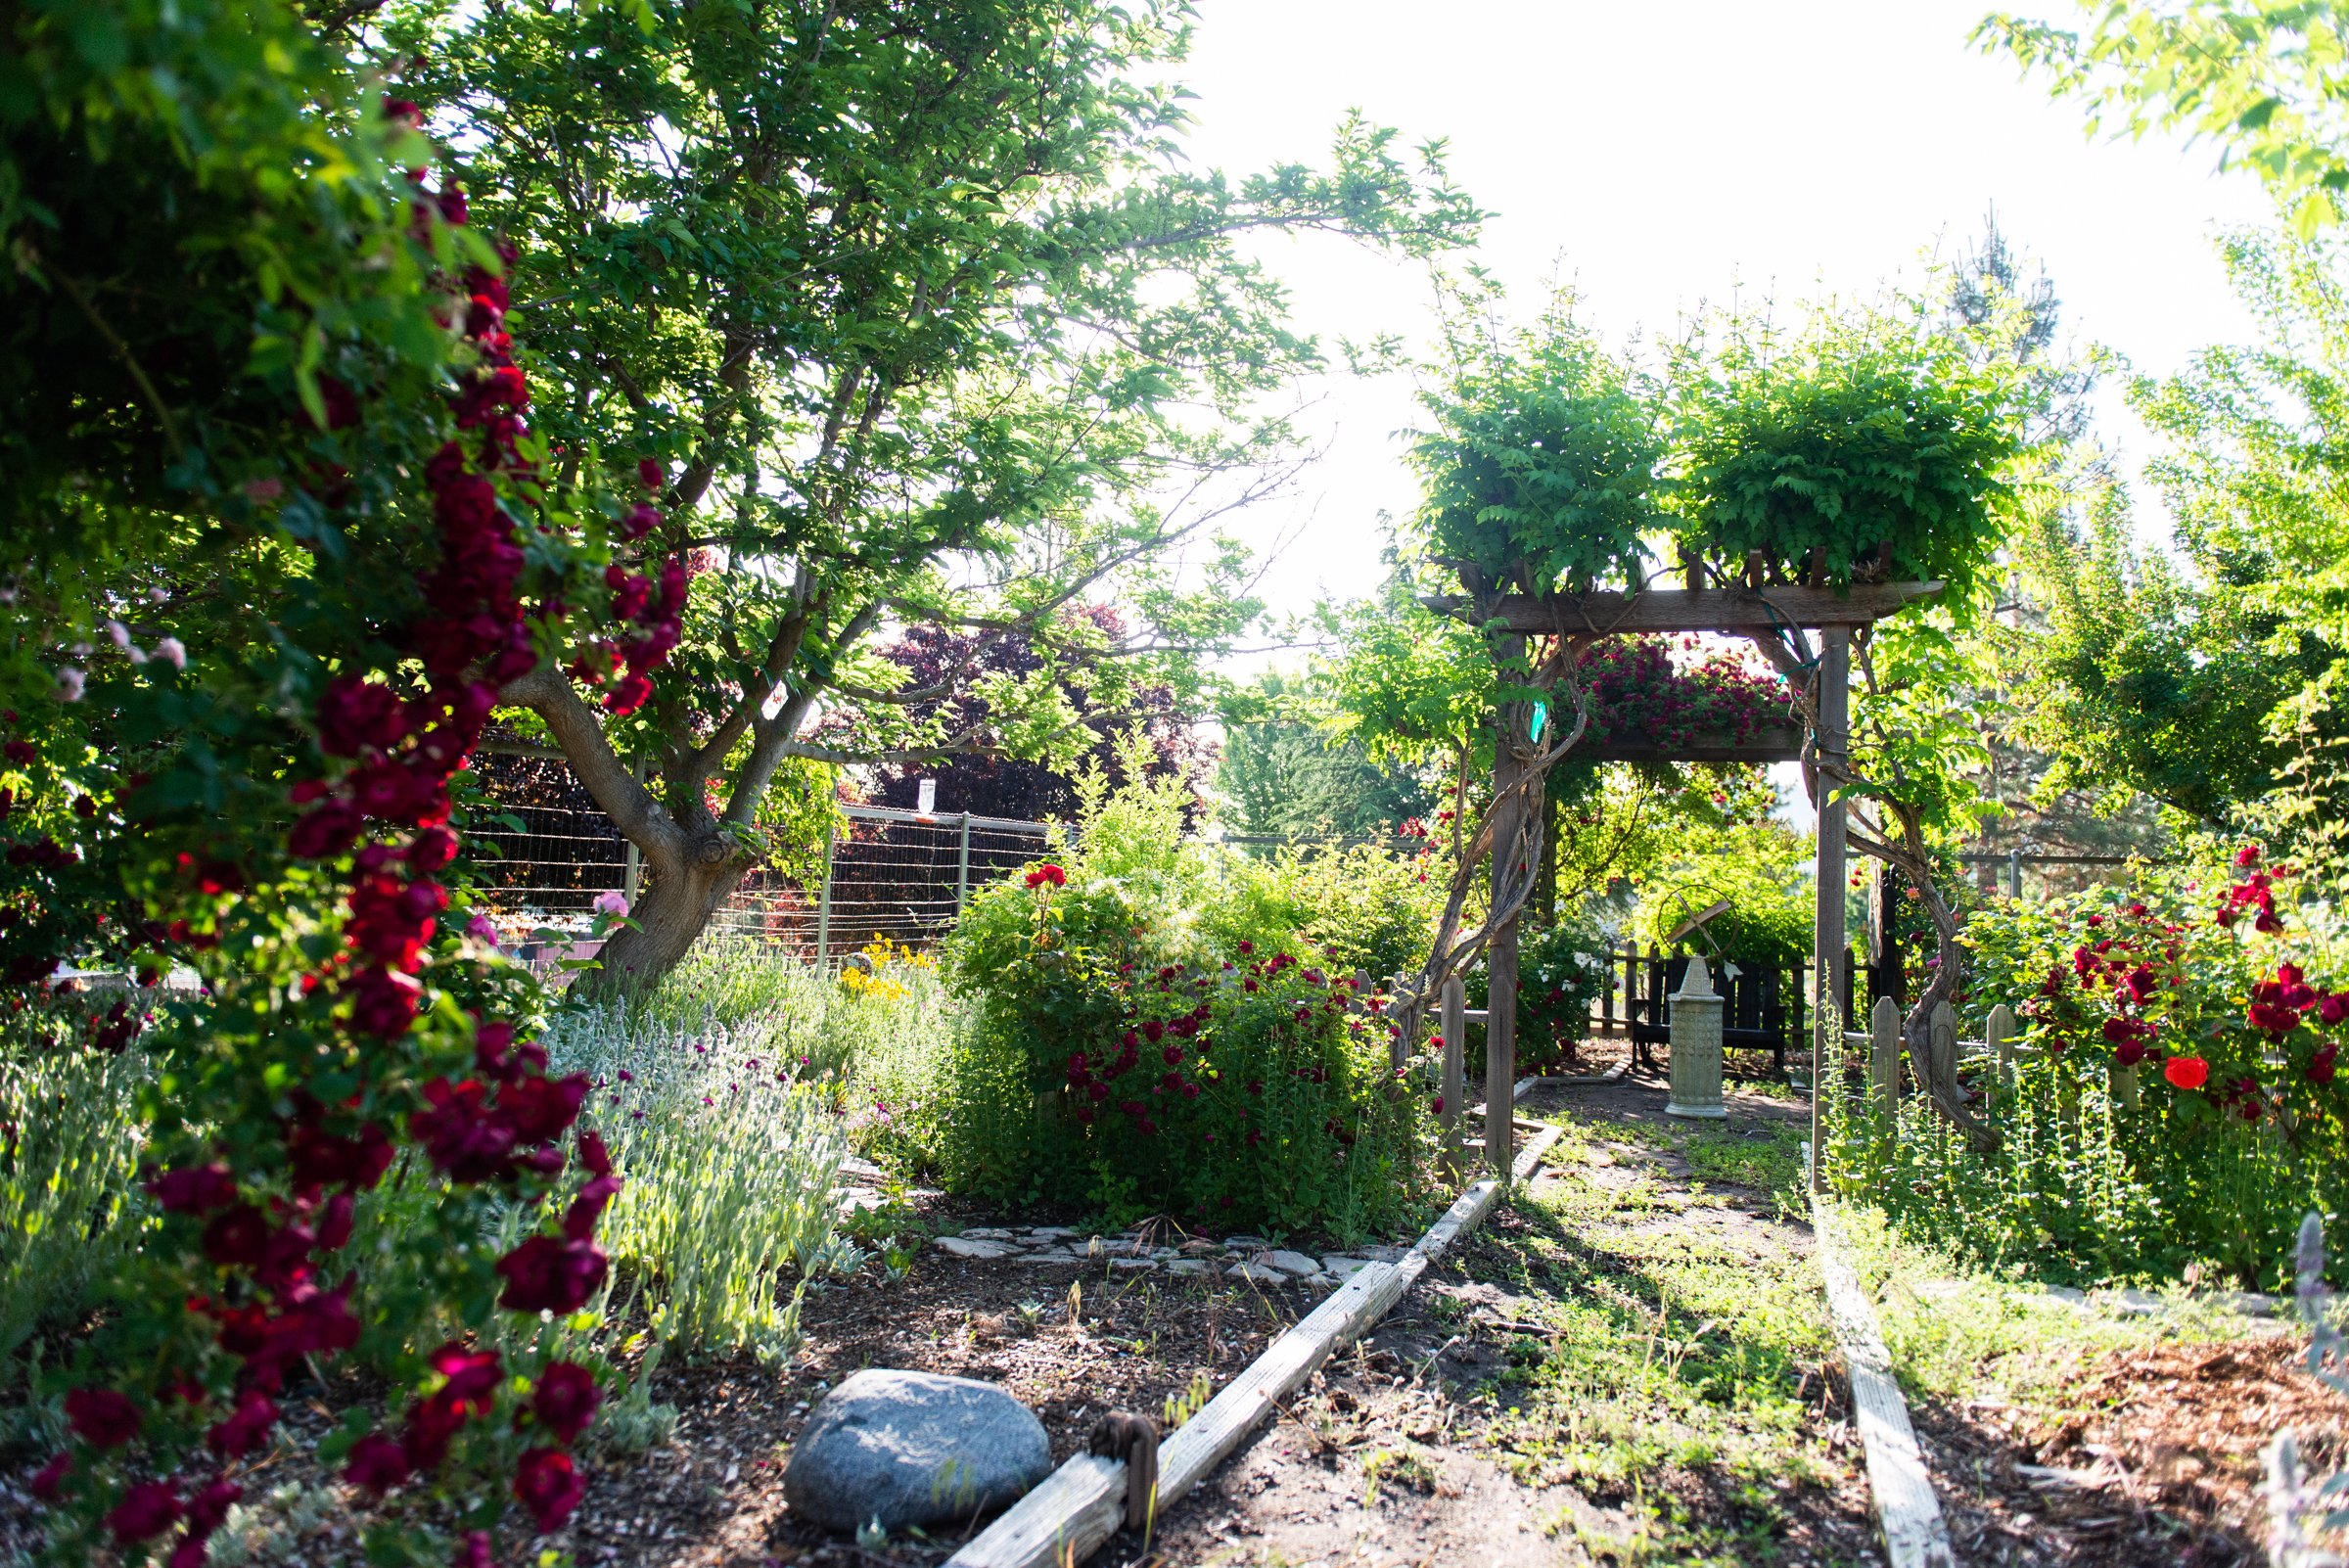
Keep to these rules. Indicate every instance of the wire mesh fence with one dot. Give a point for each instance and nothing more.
(895, 874)
(551, 868)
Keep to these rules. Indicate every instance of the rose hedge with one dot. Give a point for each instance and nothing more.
(2195, 1016)
(1245, 1091)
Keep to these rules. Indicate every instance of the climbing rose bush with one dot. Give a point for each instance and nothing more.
(280, 819)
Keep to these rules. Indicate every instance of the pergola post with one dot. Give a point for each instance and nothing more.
(1835, 948)
(1501, 955)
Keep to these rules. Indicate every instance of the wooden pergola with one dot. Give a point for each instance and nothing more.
(1761, 616)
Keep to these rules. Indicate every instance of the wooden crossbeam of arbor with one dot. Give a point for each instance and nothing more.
(1776, 745)
(1736, 611)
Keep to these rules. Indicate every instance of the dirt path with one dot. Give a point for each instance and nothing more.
(1614, 1370)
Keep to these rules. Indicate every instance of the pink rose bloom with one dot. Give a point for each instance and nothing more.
(612, 902)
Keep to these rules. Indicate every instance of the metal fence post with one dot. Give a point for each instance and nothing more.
(632, 863)
(2014, 873)
(963, 868)
(823, 898)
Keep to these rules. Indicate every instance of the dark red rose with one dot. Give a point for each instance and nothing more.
(239, 1237)
(377, 1463)
(50, 1479)
(539, 1109)
(146, 1510)
(195, 1188)
(102, 1418)
(549, 1486)
(546, 1275)
(459, 1135)
(565, 1399)
(209, 1509)
(432, 1425)
(431, 850)
(578, 1220)
(383, 1003)
(243, 1431)
(473, 1375)
(325, 831)
(355, 714)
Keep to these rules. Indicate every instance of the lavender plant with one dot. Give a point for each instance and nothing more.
(2304, 1512)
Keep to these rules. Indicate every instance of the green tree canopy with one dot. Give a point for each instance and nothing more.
(926, 319)
(1288, 776)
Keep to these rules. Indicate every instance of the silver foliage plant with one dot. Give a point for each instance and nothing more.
(733, 1164)
(2303, 1511)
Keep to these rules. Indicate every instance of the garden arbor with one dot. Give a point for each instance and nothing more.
(1778, 620)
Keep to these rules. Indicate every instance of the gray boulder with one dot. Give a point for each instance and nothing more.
(913, 1449)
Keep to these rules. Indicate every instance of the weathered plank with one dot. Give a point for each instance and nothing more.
(1454, 1082)
(1914, 1534)
(1082, 1505)
(1884, 1052)
(1731, 609)
(1998, 1036)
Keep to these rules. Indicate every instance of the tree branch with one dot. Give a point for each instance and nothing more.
(547, 692)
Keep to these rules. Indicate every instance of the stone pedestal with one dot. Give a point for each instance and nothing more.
(1696, 1047)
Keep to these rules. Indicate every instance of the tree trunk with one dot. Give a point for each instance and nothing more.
(671, 917)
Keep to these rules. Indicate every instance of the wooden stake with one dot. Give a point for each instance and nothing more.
(1082, 1505)
(1500, 958)
(1833, 955)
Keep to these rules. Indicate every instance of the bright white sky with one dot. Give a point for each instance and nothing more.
(1661, 156)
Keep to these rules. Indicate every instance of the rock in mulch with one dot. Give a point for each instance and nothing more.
(913, 1449)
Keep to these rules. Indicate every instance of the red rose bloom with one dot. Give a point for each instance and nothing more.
(549, 1486)
(377, 1463)
(146, 1510)
(242, 1432)
(102, 1418)
(565, 1399)
(2186, 1072)
(545, 1274)
(194, 1190)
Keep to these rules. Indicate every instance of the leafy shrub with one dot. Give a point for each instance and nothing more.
(1561, 969)
(1539, 471)
(70, 1142)
(1872, 443)
(1116, 1061)
(1365, 907)
(730, 1161)
(2176, 1102)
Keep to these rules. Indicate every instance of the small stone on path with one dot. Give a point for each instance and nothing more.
(965, 1247)
(913, 1449)
(1296, 1263)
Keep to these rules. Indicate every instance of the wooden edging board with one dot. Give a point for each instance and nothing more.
(1916, 1536)
(1082, 1505)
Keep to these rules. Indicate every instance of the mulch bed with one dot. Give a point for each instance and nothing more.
(2160, 1459)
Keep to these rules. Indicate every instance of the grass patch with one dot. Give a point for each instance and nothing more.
(1957, 1333)
(1652, 1349)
